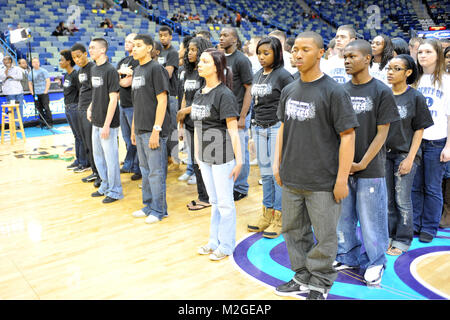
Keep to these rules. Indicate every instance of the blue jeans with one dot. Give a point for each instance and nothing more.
(219, 186)
(153, 163)
(366, 203)
(241, 183)
(72, 119)
(131, 162)
(265, 140)
(427, 188)
(18, 97)
(400, 212)
(172, 142)
(106, 157)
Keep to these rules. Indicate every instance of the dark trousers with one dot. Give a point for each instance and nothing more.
(201, 189)
(43, 105)
(85, 127)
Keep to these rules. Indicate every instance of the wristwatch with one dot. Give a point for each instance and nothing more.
(157, 128)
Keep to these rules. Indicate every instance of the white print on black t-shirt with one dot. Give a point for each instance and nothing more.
(82, 77)
(97, 82)
(261, 90)
(362, 104)
(300, 111)
(182, 75)
(67, 83)
(161, 60)
(402, 111)
(191, 85)
(200, 112)
(138, 82)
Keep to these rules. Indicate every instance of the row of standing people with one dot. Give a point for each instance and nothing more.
(310, 148)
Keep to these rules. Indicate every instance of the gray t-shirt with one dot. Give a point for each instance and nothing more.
(242, 74)
(314, 114)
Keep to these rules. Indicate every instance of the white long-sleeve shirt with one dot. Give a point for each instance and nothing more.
(13, 85)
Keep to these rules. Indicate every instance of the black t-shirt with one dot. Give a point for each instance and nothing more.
(192, 82)
(180, 92)
(314, 114)
(169, 57)
(149, 80)
(242, 74)
(84, 77)
(209, 112)
(71, 87)
(104, 79)
(374, 105)
(266, 91)
(125, 93)
(414, 115)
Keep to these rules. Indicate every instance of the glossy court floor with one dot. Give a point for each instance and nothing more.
(57, 242)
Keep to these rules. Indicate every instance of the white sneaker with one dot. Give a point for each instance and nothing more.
(139, 214)
(204, 250)
(192, 180)
(217, 255)
(373, 275)
(184, 177)
(151, 219)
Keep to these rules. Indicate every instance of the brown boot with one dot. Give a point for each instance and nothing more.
(274, 230)
(263, 221)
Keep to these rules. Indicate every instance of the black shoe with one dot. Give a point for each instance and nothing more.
(72, 166)
(97, 194)
(109, 200)
(97, 182)
(316, 295)
(90, 178)
(81, 169)
(425, 237)
(124, 171)
(136, 176)
(290, 288)
(238, 196)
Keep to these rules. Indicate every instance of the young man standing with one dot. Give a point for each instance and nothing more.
(313, 157)
(150, 128)
(39, 84)
(125, 69)
(168, 58)
(104, 116)
(242, 83)
(334, 66)
(375, 107)
(79, 55)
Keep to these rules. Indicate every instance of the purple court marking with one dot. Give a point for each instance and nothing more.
(402, 269)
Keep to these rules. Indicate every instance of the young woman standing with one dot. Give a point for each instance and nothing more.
(403, 151)
(266, 91)
(434, 84)
(190, 84)
(217, 150)
(382, 51)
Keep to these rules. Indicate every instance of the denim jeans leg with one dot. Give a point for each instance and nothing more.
(172, 142)
(106, 155)
(371, 206)
(349, 244)
(131, 161)
(18, 97)
(223, 210)
(434, 171)
(400, 203)
(241, 184)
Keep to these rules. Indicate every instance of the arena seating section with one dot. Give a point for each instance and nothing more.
(41, 17)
